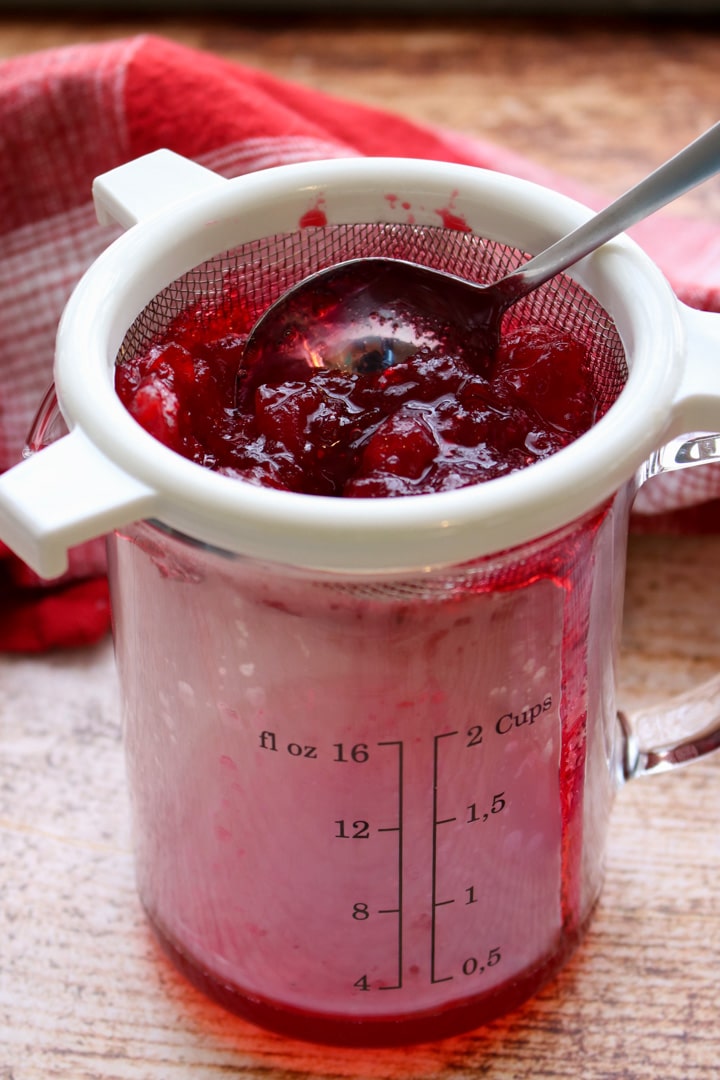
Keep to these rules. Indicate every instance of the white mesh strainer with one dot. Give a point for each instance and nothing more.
(196, 237)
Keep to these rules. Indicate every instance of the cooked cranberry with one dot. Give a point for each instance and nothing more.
(551, 374)
(402, 445)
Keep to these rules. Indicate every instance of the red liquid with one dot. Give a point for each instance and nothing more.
(430, 423)
(399, 1030)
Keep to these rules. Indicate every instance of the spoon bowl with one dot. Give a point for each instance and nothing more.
(368, 314)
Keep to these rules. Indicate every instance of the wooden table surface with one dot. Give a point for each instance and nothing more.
(84, 991)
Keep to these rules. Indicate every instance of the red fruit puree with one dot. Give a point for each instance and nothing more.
(427, 424)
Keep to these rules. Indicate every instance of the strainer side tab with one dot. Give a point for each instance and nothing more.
(697, 403)
(141, 188)
(67, 493)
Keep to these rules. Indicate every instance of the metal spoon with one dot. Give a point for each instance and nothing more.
(370, 313)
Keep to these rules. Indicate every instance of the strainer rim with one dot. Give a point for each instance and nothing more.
(376, 533)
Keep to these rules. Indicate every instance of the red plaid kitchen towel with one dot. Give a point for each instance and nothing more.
(69, 114)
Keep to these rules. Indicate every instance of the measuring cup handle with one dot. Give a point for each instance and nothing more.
(687, 727)
(696, 408)
(673, 734)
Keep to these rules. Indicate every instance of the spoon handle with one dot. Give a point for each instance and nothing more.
(697, 162)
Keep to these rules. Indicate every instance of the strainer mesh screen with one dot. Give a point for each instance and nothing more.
(262, 270)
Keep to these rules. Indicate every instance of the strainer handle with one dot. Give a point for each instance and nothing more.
(66, 494)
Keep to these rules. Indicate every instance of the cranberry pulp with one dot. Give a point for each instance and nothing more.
(429, 423)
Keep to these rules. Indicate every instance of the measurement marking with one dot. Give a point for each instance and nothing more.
(388, 911)
(445, 820)
(435, 902)
(442, 903)
(399, 829)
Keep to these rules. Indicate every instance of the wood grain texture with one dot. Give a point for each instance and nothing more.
(600, 100)
(84, 992)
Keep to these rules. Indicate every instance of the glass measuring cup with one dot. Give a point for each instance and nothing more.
(370, 809)
(372, 750)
